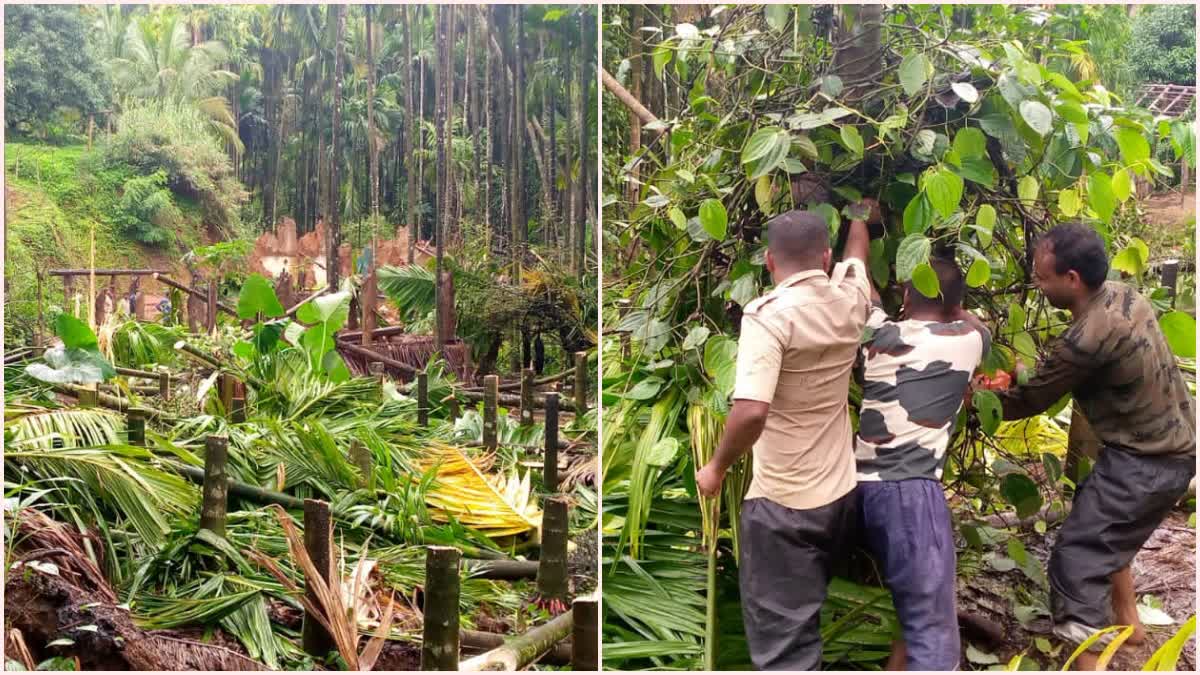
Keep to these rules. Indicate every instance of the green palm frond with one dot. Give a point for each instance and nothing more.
(29, 427)
(410, 287)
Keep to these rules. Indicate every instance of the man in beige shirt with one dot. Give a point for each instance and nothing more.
(795, 353)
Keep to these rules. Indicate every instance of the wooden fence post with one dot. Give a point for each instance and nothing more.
(526, 397)
(216, 485)
(318, 538)
(226, 383)
(552, 564)
(439, 644)
(581, 383)
(377, 371)
(423, 399)
(1170, 277)
(164, 385)
(69, 294)
(550, 466)
(360, 456)
(585, 634)
(491, 396)
(89, 396)
(210, 319)
(135, 424)
(369, 293)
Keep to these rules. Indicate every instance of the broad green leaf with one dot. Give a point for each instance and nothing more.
(257, 296)
(880, 267)
(332, 309)
(713, 218)
(985, 220)
(677, 217)
(696, 337)
(1016, 319)
(832, 86)
(1180, 330)
(806, 146)
(720, 362)
(765, 151)
(970, 142)
(1122, 185)
(945, 189)
(760, 144)
(762, 195)
(71, 366)
(1027, 189)
(1133, 145)
(743, 289)
(662, 453)
(1068, 202)
(1101, 197)
(1025, 348)
(74, 333)
(1020, 491)
(918, 215)
(777, 16)
(1072, 112)
(646, 389)
(979, 273)
(662, 56)
(852, 140)
(987, 406)
(1065, 86)
(925, 280)
(656, 201)
(1037, 116)
(966, 91)
(912, 252)
(979, 170)
(1133, 258)
(915, 70)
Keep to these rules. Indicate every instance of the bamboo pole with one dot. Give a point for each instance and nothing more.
(423, 399)
(490, 396)
(522, 650)
(552, 579)
(164, 385)
(526, 397)
(585, 634)
(550, 460)
(318, 542)
(559, 655)
(440, 639)
(216, 485)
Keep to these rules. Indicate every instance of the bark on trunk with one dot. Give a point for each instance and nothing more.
(333, 233)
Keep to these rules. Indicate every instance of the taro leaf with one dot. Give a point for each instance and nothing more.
(852, 140)
(696, 337)
(966, 91)
(266, 336)
(925, 280)
(335, 367)
(332, 309)
(74, 333)
(914, 72)
(720, 362)
(912, 252)
(1020, 491)
(317, 341)
(1068, 202)
(646, 389)
(1027, 189)
(969, 142)
(244, 350)
(713, 218)
(988, 407)
(1101, 196)
(918, 215)
(258, 297)
(1180, 330)
(1037, 116)
(979, 273)
(71, 366)
(945, 190)
(1122, 185)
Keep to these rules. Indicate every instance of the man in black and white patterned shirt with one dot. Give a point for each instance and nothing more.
(915, 373)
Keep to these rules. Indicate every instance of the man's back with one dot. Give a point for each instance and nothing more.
(796, 350)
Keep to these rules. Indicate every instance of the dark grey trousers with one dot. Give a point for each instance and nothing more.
(1116, 509)
(784, 571)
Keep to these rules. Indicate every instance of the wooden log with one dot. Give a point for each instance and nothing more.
(526, 397)
(89, 397)
(423, 399)
(239, 409)
(439, 644)
(552, 578)
(216, 485)
(474, 640)
(513, 401)
(581, 383)
(523, 650)
(133, 372)
(135, 425)
(503, 570)
(550, 460)
(490, 396)
(243, 491)
(369, 354)
(106, 272)
(360, 457)
(203, 295)
(226, 383)
(541, 381)
(585, 634)
(1170, 276)
(386, 331)
(318, 542)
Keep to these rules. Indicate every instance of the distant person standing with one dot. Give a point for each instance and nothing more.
(1117, 365)
(795, 353)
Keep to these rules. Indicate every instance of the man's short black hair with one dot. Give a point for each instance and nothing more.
(798, 236)
(950, 280)
(1078, 247)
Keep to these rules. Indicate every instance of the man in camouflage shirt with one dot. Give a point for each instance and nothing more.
(1117, 365)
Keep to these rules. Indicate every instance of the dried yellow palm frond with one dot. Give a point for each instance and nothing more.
(496, 505)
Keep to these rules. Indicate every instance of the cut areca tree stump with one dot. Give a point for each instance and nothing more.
(440, 637)
(585, 634)
(216, 485)
(552, 581)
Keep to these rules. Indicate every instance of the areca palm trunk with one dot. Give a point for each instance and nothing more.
(412, 116)
(334, 233)
(372, 147)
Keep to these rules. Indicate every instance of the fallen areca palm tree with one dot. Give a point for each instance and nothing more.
(519, 652)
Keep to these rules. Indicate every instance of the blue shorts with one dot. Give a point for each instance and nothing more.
(906, 526)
